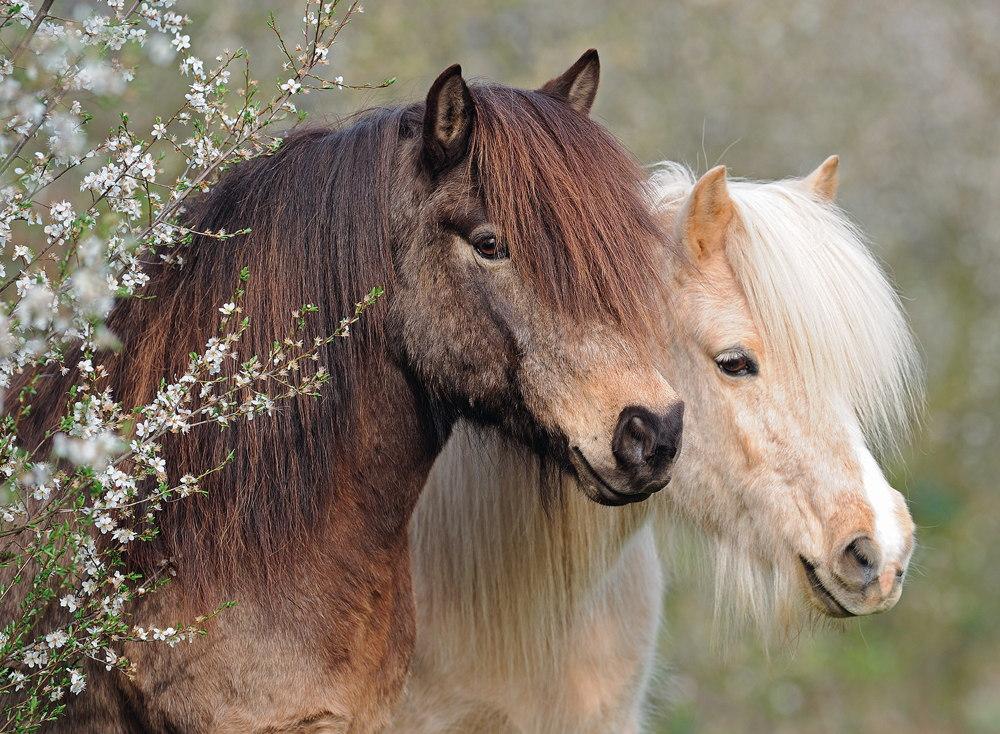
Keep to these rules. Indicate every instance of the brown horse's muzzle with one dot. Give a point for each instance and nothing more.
(645, 446)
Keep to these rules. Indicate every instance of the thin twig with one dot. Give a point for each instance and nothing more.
(37, 21)
(49, 104)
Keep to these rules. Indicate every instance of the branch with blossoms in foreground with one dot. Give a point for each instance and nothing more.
(72, 505)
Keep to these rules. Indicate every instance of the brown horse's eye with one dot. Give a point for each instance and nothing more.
(736, 363)
(488, 248)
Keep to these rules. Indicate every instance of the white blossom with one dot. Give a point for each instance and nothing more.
(35, 657)
(77, 681)
(104, 523)
(56, 639)
(37, 306)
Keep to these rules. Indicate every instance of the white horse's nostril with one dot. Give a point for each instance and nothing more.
(888, 579)
(857, 564)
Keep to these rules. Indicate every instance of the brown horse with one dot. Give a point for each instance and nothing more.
(513, 237)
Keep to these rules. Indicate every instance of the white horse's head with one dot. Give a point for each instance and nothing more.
(796, 363)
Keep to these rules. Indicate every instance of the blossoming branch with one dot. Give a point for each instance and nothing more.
(70, 505)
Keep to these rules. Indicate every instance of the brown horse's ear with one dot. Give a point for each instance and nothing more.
(823, 181)
(577, 86)
(707, 214)
(447, 121)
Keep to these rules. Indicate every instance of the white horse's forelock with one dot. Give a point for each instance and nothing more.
(821, 301)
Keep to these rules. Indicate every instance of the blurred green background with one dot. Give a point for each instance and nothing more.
(908, 93)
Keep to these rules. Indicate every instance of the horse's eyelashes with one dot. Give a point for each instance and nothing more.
(737, 363)
(489, 248)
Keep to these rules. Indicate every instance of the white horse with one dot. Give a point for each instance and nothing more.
(796, 363)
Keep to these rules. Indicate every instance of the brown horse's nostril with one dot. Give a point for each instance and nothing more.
(644, 440)
(858, 564)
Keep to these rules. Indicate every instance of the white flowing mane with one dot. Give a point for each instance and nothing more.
(820, 299)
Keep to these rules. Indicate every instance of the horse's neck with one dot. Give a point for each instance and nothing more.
(342, 605)
(487, 553)
(393, 444)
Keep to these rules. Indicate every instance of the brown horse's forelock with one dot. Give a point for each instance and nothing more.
(547, 170)
(320, 214)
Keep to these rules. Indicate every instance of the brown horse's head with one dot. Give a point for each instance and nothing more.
(526, 262)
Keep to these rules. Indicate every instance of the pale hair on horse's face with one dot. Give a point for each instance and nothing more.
(793, 356)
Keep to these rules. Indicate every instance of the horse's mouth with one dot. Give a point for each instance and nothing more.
(597, 487)
(823, 596)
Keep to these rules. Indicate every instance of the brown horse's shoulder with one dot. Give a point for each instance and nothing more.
(312, 661)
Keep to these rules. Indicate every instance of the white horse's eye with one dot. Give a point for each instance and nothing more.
(737, 363)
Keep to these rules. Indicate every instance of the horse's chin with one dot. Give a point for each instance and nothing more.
(601, 497)
(599, 489)
(821, 597)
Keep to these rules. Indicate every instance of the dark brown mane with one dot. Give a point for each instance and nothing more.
(544, 167)
(321, 215)
(318, 212)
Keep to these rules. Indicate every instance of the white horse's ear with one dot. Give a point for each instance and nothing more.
(707, 214)
(823, 181)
